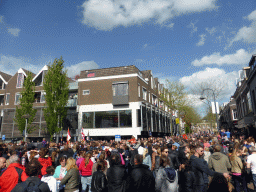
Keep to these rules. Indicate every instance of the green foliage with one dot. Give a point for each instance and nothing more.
(25, 108)
(56, 86)
(187, 129)
(179, 100)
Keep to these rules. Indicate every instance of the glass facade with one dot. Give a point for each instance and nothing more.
(87, 121)
(106, 119)
(138, 117)
(125, 118)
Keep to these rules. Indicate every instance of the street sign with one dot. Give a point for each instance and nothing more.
(117, 137)
(3, 137)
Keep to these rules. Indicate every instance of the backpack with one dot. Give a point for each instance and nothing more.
(29, 187)
(171, 174)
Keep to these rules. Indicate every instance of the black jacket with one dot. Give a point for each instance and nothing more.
(116, 176)
(199, 167)
(173, 155)
(99, 182)
(31, 181)
(186, 181)
(140, 179)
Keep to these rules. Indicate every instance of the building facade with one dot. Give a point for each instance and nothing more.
(122, 101)
(103, 103)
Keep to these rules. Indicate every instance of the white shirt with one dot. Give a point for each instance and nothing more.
(51, 181)
(252, 160)
(140, 150)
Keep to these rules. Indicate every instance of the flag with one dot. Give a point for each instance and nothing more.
(88, 137)
(82, 133)
(68, 136)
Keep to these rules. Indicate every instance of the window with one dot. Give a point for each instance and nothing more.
(152, 85)
(149, 98)
(249, 102)
(87, 120)
(138, 90)
(144, 93)
(234, 114)
(120, 89)
(106, 119)
(43, 96)
(139, 117)
(20, 80)
(7, 99)
(2, 85)
(86, 92)
(125, 118)
(17, 98)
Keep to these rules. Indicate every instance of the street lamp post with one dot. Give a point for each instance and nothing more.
(202, 98)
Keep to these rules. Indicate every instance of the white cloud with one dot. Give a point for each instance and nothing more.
(247, 34)
(85, 65)
(14, 31)
(212, 75)
(10, 64)
(202, 40)
(170, 25)
(211, 31)
(252, 15)
(194, 28)
(108, 14)
(239, 58)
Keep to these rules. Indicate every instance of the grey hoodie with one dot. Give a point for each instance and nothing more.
(219, 162)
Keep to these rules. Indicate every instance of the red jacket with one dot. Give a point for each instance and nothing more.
(45, 162)
(9, 178)
(86, 171)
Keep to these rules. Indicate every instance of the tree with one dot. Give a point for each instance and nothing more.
(203, 89)
(25, 108)
(176, 96)
(56, 86)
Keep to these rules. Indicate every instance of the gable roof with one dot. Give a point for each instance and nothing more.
(45, 68)
(27, 71)
(5, 77)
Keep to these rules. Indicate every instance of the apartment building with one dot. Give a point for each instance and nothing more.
(10, 93)
(228, 115)
(104, 102)
(122, 101)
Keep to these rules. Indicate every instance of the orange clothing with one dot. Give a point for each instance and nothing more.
(9, 178)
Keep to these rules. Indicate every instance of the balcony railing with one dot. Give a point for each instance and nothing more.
(72, 102)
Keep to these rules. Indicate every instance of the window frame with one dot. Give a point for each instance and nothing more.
(18, 93)
(88, 90)
(8, 99)
(21, 81)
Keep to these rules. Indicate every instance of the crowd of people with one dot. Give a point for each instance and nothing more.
(200, 162)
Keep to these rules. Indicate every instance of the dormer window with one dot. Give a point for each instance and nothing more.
(2, 84)
(20, 80)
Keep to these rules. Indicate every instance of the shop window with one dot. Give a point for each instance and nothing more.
(125, 118)
(106, 119)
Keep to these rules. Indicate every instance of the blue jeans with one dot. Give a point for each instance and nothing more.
(86, 181)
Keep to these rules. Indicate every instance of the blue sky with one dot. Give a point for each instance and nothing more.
(187, 40)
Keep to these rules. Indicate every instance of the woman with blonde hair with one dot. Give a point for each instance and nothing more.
(147, 158)
(72, 178)
(237, 169)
